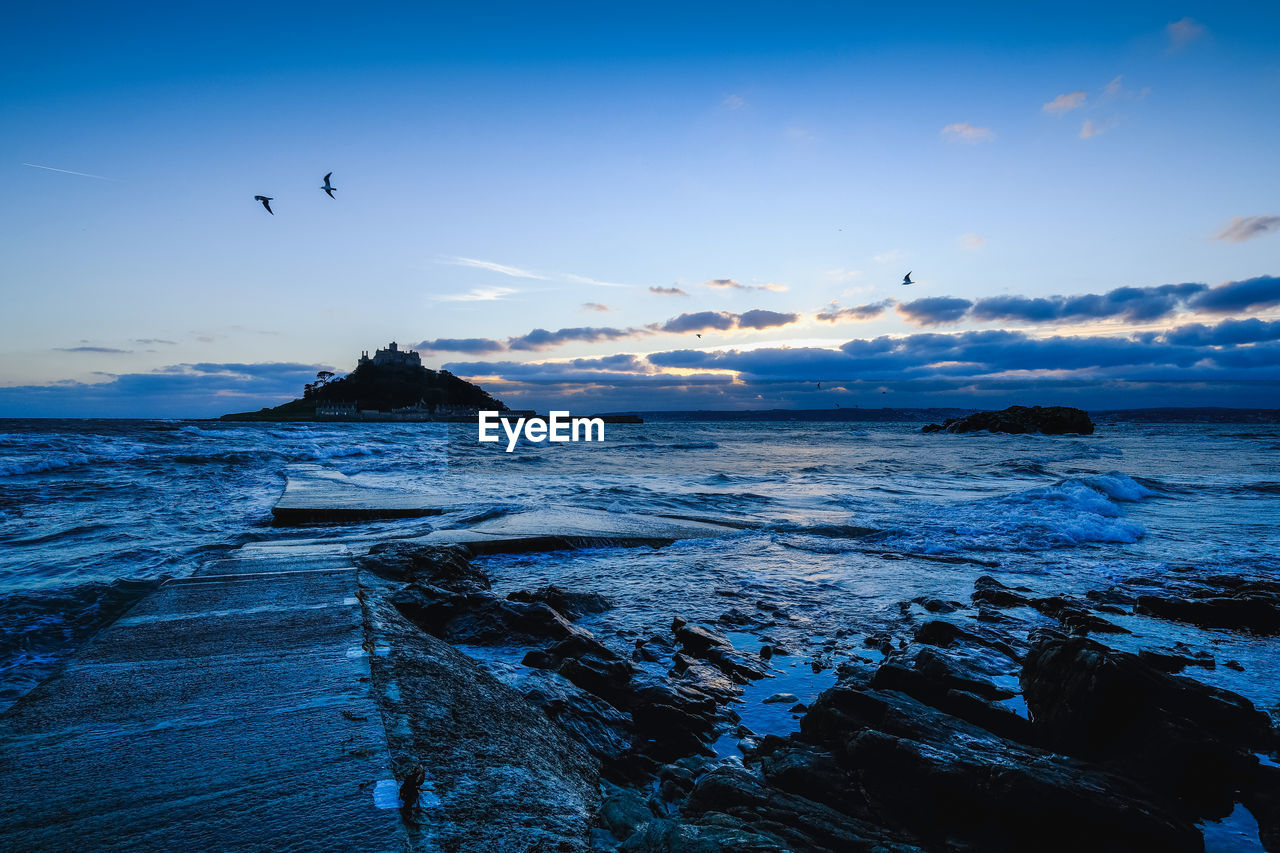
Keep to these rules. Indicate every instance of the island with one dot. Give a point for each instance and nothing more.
(392, 385)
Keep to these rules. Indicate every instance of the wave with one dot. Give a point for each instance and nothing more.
(1070, 512)
(695, 445)
(49, 463)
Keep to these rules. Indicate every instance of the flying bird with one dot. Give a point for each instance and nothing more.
(327, 187)
(906, 279)
(266, 202)
(699, 335)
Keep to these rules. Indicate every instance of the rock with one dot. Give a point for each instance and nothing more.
(1256, 612)
(507, 777)
(445, 566)
(716, 650)
(990, 592)
(623, 813)
(955, 785)
(1175, 661)
(1186, 739)
(697, 640)
(1049, 420)
(705, 679)
(1074, 616)
(606, 677)
(480, 618)
(937, 605)
(665, 836)
(937, 632)
(574, 645)
(602, 729)
(571, 605)
(781, 697)
(733, 796)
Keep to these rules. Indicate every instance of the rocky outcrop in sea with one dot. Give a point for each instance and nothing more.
(1049, 420)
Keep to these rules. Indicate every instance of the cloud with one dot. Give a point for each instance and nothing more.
(540, 339)
(1226, 333)
(1090, 129)
(730, 284)
(934, 310)
(595, 306)
(1135, 304)
(1183, 32)
(582, 279)
(965, 132)
(180, 390)
(700, 321)
(152, 341)
(1249, 294)
(477, 346)
(834, 313)
(514, 272)
(733, 102)
(723, 321)
(100, 350)
(478, 294)
(1243, 228)
(667, 291)
(1114, 88)
(1064, 104)
(762, 319)
(970, 242)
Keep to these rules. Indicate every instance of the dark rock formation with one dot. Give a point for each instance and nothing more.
(572, 605)
(1231, 602)
(1181, 738)
(1050, 420)
(445, 566)
(506, 776)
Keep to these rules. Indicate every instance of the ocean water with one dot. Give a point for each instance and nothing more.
(95, 513)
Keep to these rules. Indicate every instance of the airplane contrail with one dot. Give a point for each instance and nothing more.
(68, 172)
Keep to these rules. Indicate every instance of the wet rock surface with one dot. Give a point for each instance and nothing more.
(1000, 724)
(1050, 420)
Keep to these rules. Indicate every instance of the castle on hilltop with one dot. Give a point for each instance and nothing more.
(391, 355)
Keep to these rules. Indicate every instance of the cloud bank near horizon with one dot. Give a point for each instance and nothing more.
(1232, 362)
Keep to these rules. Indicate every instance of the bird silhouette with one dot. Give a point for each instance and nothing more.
(819, 386)
(906, 279)
(699, 335)
(327, 187)
(266, 202)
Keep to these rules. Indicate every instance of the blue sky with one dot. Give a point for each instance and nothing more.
(556, 198)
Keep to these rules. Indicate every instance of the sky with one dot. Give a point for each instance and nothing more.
(609, 207)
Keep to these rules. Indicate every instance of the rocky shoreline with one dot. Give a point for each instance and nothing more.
(1002, 723)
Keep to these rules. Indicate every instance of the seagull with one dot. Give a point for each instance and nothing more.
(906, 279)
(327, 188)
(699, 336)
(266, 202)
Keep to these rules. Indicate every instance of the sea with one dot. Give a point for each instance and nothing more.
(840, 525)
